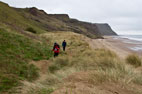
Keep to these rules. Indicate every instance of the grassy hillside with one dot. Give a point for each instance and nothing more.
(82, 70)
(26, 66)
(12, 19)
(19, 20)
(16, 51)
(79, 67)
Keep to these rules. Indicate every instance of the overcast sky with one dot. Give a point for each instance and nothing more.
(124, 16)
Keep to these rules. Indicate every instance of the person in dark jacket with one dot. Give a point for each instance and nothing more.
(56, 48)
(64, 44)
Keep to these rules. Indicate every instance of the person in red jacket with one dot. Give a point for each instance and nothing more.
(56, 49)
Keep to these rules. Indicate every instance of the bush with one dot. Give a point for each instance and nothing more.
(133, 60)
(52, 68)
(30, 29)
(59, 63)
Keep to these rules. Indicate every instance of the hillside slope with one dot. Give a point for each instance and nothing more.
(83, 70)
(16, 51)
(21, 19)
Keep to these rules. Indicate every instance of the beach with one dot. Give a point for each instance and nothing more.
(121, 46)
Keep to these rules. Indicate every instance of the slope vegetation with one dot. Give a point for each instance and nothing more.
(22, 19)
(16, 51)
(83, 70)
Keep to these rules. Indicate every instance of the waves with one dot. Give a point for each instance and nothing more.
(132, 37)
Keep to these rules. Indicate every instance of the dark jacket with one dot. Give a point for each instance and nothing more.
(64, 44)
(55, 44)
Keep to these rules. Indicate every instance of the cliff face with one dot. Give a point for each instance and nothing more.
(105, 29)
(42, 22)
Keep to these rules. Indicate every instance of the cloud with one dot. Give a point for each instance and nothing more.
(122, 15)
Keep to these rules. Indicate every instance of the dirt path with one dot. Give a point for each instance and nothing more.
(28, 86)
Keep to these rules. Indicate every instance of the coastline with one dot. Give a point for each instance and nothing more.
(121, 46)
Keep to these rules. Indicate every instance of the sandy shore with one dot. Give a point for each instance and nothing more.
(122, 47)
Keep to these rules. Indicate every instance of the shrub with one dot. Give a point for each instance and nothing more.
(52, 68)
(59, 63)
(133, 60)
(30, 29)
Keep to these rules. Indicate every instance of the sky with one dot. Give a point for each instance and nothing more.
(124, 16)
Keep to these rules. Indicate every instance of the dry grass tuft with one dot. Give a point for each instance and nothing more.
(134, 60)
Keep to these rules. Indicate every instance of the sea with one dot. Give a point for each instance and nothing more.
(132, 37)
(135, 40)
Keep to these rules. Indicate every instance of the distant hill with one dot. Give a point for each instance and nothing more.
(19, 19)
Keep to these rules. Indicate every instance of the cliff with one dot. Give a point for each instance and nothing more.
(20, 19)
(105, 29)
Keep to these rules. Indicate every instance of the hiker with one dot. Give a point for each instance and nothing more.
(56, 48)
(64, 44)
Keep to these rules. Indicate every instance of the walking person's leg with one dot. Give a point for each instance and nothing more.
(64, 48)
(56, 54)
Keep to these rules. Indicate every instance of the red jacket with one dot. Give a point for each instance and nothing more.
(56, 49)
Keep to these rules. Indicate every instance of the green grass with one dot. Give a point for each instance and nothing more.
(7, 82)
(42, 91)
(30, 29)
(16, 20)
(15, 53)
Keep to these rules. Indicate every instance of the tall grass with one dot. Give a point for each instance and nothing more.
(99, 65)
(58, 63)
(107, 66)
(134, 60)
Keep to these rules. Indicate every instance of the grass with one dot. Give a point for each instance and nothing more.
(19, 19)
(16, 20)
(134, 60)
(59, 63)
(42, 91)
(30, 29)
(15, 53)
(101, 65)
(7, 82)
